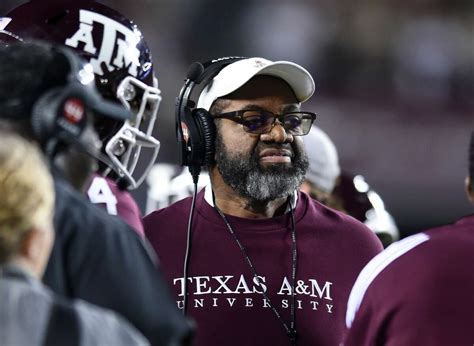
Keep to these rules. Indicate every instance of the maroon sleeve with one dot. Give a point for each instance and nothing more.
(421, 297)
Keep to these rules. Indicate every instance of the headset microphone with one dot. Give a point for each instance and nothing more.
(195, 71)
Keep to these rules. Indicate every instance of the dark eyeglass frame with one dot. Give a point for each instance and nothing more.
(238, 117)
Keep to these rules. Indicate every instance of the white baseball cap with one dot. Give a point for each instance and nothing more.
(235, 75)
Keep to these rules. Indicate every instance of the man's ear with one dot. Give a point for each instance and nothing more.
(469, 189)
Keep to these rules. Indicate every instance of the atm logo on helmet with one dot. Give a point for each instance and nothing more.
(118, 47)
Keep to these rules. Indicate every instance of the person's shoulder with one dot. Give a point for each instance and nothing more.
(384, 259)
(337, 220)
(75, 213)
(177, 208)
(104, 191)
(25, 303)
(380, 263)
(68, 198)
(172, 221)
(100, 326)
(324, 212)
(433, 257)
(459, 231)
(431, 246)
(25, 291)
(123, 196)
(64, 191)
(450, 246)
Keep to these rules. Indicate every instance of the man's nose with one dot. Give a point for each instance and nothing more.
(277, 134)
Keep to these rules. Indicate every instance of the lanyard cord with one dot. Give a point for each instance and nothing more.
(290, 330)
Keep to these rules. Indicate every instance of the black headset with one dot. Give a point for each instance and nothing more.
(195, 129)
(60, 115)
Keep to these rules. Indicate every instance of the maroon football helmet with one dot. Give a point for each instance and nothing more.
(359, 200)
(122, 64)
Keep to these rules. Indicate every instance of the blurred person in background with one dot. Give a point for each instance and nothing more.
(323, 170)
(257, 262)
(30, 313)
(48, 95)
(169, 183)
(344, 191)
(123, 66)
(419, 290)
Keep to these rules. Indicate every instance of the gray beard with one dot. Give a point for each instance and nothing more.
(256, 183)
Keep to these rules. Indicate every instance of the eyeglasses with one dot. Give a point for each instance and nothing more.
(260, 122)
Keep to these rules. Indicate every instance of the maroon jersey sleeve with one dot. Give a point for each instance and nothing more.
(419, 291)
(104, 192)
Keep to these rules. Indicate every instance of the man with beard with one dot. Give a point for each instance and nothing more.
(264, 264)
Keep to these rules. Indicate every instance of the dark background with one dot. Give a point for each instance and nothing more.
(395, 83)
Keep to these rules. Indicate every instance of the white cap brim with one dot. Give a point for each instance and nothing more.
(235, 75)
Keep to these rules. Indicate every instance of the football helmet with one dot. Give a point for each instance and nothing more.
(123, 68)
(354, 196)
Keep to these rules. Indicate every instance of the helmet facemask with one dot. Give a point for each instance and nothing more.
(125, 147)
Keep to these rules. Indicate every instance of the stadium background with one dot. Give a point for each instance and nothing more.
(395, 82)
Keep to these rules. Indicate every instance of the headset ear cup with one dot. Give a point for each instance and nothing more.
(44, 114)
(51, 118)
(195, 128)
(207, 128)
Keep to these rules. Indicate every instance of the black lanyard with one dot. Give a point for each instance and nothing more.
(291, 329)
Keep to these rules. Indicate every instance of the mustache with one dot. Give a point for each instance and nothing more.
(260, 147)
